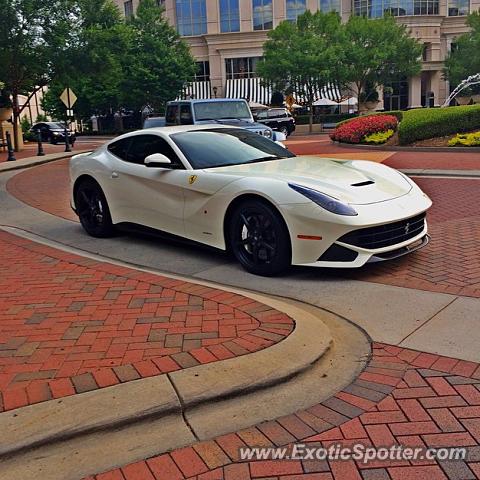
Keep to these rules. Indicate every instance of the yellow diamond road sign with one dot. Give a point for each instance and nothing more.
(68, 98)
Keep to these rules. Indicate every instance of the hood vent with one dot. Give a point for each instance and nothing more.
(363, 184)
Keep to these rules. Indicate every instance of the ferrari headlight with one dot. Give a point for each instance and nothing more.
(324, 201)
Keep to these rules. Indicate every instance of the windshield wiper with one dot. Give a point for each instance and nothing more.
(265, 159)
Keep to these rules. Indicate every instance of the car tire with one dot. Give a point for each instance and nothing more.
(259, 238)
(52, 140)
(285, 131)
(92, 209)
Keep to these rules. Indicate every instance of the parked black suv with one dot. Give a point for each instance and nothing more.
(278, 119)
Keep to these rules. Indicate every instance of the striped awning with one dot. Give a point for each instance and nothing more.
(196, 90)
(248, 88)
(330, 92)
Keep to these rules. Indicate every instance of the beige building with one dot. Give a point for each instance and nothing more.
(226, 38)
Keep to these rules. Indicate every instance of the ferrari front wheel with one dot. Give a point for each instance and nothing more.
(92, 209)
(259, 238)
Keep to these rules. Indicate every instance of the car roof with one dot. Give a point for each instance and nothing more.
(207, 100)
(176, 129)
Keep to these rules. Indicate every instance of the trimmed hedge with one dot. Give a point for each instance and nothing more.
(425, 123)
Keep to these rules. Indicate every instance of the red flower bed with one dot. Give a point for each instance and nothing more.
(353, 131)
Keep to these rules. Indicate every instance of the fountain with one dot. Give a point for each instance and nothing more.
(468, 82)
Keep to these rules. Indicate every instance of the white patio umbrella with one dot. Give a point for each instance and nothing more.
(349, 101)
(256, 105)
(324, 102)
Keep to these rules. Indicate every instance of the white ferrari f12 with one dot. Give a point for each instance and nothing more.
(236, 190)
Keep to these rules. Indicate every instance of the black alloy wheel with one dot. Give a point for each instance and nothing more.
(259, 238)
(92, 210)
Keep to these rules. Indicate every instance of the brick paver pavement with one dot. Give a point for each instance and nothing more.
(70, 324)
(403, 397)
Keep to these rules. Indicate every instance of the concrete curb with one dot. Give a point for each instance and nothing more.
(408, 149)
(172, 394)
(425, 172)
(33, 161)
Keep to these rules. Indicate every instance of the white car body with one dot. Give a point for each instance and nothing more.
(193, 203)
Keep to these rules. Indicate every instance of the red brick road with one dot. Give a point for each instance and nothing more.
(69, 324)
(403, 397)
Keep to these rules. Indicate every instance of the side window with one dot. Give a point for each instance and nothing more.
(144, 145)
(185, 115)
(172, 111)
(261, 115)
(120, 148)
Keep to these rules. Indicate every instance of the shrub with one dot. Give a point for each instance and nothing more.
(395, 113)
(465, 140)
(424, 123)
(355, 130)
(378, 138)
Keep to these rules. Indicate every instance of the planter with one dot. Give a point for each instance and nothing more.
(463, 100)
(5, 113)
(476, 98)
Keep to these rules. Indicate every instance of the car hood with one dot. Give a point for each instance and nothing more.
(357, 182)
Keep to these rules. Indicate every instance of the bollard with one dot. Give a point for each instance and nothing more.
(67, 141)
(11, 154)
(40, 152)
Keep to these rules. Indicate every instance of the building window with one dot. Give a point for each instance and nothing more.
(191, 17)
(241, 67)
(128, 8)
(229, 16)
(458, 8)
(295, 8)
(330, 6)
(398, 8)
(203, 71)
(262, 14)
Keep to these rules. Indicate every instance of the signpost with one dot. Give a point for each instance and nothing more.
(68, 98)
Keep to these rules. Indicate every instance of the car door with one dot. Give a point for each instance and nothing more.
(148, 196)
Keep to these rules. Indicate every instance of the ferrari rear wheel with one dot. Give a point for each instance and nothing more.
(259, 238)
(92, 209)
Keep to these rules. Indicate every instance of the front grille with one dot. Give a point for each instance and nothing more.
(386, 235)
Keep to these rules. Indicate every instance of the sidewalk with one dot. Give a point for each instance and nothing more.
(403, 398)
(30, 150)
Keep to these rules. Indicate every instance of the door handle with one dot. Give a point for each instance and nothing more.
(114, 175)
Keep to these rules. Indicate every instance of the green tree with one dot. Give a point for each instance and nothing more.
(464, 60)
(158, 62)
(376, 52)
(27, 32)
(302, 58)
(92, 63)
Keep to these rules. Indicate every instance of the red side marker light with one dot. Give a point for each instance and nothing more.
(309, 237)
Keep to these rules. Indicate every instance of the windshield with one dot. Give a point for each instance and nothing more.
(56, 125)
(221, 110)
(154, 122)
(222, 147)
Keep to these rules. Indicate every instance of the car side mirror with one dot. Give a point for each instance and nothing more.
(279, 137)
(157, 160)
